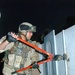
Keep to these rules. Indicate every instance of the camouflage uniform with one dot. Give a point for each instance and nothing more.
(17, 56)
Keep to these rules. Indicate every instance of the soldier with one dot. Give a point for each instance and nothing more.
(17, 54)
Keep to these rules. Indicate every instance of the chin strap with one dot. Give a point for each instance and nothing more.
(47, 57)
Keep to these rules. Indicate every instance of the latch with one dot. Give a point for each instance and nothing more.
(65, 57)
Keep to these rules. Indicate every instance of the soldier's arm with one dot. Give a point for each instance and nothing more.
(11, 37)
(3, 45)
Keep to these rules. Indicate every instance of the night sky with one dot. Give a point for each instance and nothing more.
(45, 14)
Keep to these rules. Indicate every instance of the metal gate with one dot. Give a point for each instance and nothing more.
(63, 44)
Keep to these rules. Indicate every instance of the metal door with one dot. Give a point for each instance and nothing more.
(50, 46)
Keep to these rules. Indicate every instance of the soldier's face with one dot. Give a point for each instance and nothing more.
(29, 35)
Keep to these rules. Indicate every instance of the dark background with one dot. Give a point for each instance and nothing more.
(45, 14)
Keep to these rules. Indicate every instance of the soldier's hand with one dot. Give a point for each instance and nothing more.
(11, 37)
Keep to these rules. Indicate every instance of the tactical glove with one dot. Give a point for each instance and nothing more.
(9, 38)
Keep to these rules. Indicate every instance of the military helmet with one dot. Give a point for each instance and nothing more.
(25, 26)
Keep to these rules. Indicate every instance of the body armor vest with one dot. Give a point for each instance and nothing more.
(17, 56)
(20, 56)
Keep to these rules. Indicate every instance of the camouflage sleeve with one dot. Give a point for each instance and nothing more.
(8, 47)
